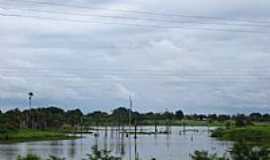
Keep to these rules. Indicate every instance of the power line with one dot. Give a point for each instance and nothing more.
(133, 25)
(257, 70)
(131, 17)
(141, 12)
(140, 74)
(148, 73)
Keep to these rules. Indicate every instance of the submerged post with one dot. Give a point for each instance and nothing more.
(135, 136)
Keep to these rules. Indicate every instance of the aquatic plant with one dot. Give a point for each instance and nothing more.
(204, 155)
(35, 157)
(240, 151)
(29, 157)
(101, 155)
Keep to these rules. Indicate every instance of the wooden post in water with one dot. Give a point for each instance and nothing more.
(156, 130)
(135, 136)
(129, 116)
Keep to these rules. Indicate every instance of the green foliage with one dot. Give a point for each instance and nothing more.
(179, 114)
(29, 157)
(204, 155)
(250, 134)
(242, 151)
(35, 157)
(29, 134)
(101, 155)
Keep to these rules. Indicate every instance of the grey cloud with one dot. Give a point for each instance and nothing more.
(73, 64)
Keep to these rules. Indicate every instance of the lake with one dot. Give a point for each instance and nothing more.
(176, 146)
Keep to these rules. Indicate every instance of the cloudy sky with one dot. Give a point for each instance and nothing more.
(210, 56)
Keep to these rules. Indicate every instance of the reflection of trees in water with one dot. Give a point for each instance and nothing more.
(105, 145)
(112, 139)
(136, 153)
(10, 152)
(72, 149)
(168, 140)
(120, 143)
(54, 149)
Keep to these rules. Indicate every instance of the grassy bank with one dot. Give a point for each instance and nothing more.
(253, 134)
(32, 135)
(175, 123)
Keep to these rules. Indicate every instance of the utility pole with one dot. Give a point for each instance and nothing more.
(130, 110)
(129, 127)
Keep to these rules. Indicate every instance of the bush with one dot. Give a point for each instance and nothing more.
(29, 157)
(240, 151)
(34, 157)
(218, 132)
(101, 155)
(203, 155)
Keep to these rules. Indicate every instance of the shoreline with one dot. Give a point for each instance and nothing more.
(28, 135)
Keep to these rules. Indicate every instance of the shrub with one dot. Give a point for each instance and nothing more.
(29, 157)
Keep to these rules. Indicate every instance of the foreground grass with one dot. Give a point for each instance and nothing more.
(253, 134)
(32, 135)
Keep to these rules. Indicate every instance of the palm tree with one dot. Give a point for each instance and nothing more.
(30, 95)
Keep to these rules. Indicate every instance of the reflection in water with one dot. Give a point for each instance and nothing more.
(56, 147)
(72, 149)
(168, 140)
(180, 143)
(122, 145)
(7, 151)
(136, 154)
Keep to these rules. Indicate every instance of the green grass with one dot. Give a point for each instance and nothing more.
(185, 121)
(32, 135)
(253, 134)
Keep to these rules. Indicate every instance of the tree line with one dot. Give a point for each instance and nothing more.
(55, 118)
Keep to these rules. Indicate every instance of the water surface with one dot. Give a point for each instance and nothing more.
(176, 146)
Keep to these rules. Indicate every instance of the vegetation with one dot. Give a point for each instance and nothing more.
(57, 118)
(204, 155)
(96, 155)
(32, 135)
(240, 151)
(253, 134)
(101, 155)
(34, 157)
(44, 123)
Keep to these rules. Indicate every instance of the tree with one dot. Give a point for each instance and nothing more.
(179, 114)
(30, 119)
(255, 116)
(30, 95)
(74, 117)
(14, 118)
(120, 115)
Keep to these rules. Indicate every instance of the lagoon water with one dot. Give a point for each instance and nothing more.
(176, 146)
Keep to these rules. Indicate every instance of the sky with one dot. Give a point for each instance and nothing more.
(210, 56)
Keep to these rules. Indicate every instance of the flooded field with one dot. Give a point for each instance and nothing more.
(175, 146)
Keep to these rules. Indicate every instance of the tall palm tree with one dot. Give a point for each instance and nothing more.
(30, 95)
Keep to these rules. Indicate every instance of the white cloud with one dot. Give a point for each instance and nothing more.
(101, 64)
